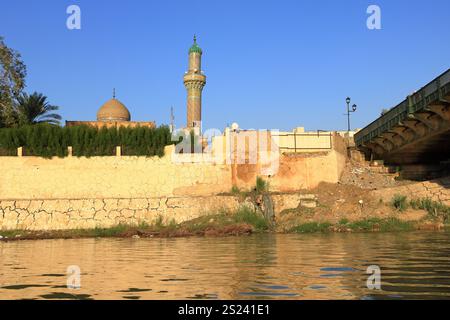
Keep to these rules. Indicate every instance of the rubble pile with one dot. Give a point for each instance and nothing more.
(365, 176)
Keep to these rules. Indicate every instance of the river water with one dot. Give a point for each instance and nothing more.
(317, 266)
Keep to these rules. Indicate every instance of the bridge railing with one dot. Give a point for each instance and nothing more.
(433, 91)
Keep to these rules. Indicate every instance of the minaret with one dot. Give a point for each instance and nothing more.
(194, 81)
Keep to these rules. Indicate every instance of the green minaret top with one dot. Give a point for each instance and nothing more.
(195, 47)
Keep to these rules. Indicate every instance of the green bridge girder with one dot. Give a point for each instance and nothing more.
(434, 93)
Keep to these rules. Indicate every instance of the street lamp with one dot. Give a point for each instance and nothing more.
(348, 100)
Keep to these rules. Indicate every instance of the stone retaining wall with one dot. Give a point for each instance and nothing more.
(65, 214)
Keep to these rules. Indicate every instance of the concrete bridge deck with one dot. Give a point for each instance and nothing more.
(416, 131)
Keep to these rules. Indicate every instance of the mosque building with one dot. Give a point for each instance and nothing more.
(115, 114)
(112, 113)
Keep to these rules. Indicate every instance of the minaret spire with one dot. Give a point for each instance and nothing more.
(194, 81)
(114, 93)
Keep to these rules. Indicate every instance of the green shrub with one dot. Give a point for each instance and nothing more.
(399, 202)
(47, 140)
(247, 215)
(261, 185)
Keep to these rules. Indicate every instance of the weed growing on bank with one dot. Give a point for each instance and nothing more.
(435, 209)
(261, 185)
(365, 225)
(399, 202)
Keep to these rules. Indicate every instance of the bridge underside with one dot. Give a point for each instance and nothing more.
(422, 138)
(432, 149)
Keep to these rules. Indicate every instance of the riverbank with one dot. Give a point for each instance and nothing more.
(327, 208)
(243, 222)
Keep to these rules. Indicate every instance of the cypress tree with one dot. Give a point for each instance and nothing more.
(48, 140)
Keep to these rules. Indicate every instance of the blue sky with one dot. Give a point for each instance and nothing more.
(270, 64)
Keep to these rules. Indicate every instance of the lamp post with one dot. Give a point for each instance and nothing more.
(348, 100)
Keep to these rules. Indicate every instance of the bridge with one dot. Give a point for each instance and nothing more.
(416, 131)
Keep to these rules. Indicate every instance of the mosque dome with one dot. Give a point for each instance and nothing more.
(113, 110)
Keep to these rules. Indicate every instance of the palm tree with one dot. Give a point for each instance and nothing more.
(34, 109)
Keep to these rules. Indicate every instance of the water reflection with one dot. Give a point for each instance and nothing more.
(333, 266)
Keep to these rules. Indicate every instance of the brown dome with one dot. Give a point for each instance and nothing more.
(113, 110)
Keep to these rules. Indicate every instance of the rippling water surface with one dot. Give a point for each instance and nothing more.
(413, 265)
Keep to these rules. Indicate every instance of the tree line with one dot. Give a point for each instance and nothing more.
(30, 121)
(17, 108)
(46, 140)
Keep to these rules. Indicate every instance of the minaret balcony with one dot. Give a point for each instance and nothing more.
(194, 77)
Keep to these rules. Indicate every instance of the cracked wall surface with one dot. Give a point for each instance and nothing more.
(436, 190)
(65, 214)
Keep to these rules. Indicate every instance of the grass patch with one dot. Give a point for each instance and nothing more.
(235, 191)
(243, 215)
(10, 233)
(312, 227)
(366, 225)
(435, 209)
(246, 215)
(383, 225)
(159, 222)
(103, 232)
(114, 231)
(399, 202)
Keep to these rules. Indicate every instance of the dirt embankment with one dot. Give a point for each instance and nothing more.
(374, 193)
(136, 232)
(337, 203)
